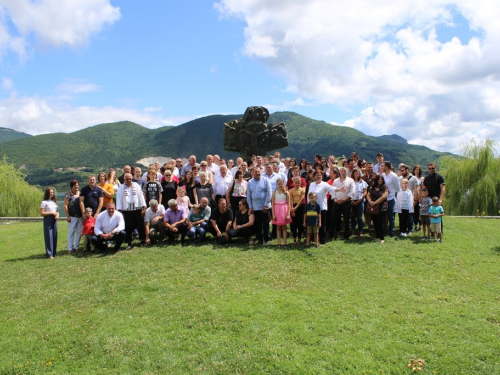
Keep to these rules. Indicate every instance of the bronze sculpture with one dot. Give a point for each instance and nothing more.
(252, 135)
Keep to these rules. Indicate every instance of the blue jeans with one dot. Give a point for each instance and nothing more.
(357, 216)
(390, 216)
(197, 232)
(74, 233)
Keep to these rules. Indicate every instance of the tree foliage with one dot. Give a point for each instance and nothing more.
(473, 183)
(17, 197)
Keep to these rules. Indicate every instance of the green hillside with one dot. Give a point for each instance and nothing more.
(56, 158)
(7, 135)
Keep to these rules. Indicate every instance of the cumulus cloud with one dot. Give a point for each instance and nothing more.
(52, 23)
(388, 56)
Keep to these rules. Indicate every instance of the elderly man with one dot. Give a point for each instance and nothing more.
(175, 221)
(153, 222)
(109, 226)
(126, 169)
(130, 202)
(188, 166)
(342, 197)
(222, 182)
(211, 165)
(276, 169)
(91, 196)
(259, 201)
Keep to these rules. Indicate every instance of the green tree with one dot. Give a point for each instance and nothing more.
(17, 197)
(473, 183)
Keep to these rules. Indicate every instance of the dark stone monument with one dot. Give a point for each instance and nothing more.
(252, 135)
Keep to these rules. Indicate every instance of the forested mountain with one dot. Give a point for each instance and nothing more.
(7, 135)
(56, 158)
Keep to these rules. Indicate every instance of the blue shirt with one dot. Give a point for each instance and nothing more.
(259, 193)
(273, 179)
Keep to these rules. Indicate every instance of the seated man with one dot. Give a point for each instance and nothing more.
(153, 222)
(109, 226)
(175, 220)
(222, 218)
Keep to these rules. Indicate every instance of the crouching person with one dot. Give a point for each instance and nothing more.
(109, 226)
(175, 221)
(195, 221)
(153, 222)
(243, 223)
(222, 219)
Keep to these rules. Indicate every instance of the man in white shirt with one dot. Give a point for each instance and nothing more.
(342, 197)
(130, 202)
(392, 183)
(222, 182)
(109, 226)
(153, 222)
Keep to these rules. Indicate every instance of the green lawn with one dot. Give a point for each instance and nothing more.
(346, 308)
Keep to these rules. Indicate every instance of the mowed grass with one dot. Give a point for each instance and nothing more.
(345, 308)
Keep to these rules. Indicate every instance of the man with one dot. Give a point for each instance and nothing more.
(259, 200)
(276, 169)
(178, 168)
(258, 162)
(126, 169)
(237, 166)
(379, 167)
(271, 176)
(175, 221)
(434, 183)
(91, 196)
(189, 166)
(109, 226)
(413, 186)
(211, 166)
(140, 180)
(391, 181)
(342, 197)
(221, 220)
(222, 182)
(350, 165)
(153, 222)
(73, 216)
(369, 177)
(130, 202)
(277, 159)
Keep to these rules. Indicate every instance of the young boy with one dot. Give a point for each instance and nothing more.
(152, 189)
(404, 207)
(88, 229)
(312, 219)
(436, 212)
(195, 220)
(425, 205)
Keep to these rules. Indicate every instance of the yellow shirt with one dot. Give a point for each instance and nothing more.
(110, 189)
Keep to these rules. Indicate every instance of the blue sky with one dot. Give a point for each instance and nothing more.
(390, 67)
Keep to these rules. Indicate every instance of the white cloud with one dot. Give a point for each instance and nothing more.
(7, 83)
(73, 86)
(388, 56)
(53, 23)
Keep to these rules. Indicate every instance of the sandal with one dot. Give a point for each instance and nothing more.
(250, 242)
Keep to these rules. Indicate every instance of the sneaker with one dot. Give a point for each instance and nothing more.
(268, 243)
(129, 247)
(440, 241)
(404, 234)
(410, 232)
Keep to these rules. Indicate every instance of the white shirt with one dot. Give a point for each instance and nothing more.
(150, 215)
(221, 184)
(348, 183)
(320, 190)
(130, 198)
(106, 224)
(392, 183)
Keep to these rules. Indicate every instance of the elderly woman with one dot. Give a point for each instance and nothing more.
(243, 223)
(49, 211)
(204, 189)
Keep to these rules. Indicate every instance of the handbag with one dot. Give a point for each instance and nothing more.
(372, 210)
(384, 206)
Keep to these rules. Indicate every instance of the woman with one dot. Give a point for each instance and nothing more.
(293, 163)
(360, 192)
(204, 189)
(49, 211)
(243, 223)
(238, 190)
(303, 168)
(417, 172)
(196, 173)
(321, 188)
(189, 184)
(113, 180)
(108, 190)
(204, 168)
(73, 215)
(169, 187)
(377, 196)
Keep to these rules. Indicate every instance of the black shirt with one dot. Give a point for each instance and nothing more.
(433, 184)
(221, 219)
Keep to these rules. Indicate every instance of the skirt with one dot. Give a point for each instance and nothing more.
(280, 210)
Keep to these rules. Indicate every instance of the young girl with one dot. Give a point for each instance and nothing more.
(297, 195)
(404, 207)
(425, 205)
(281, 205)
(182, 198)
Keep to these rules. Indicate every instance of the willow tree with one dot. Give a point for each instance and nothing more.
(17, 197)
(473, 182)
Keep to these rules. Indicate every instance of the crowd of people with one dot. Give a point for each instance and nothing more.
(257, 200)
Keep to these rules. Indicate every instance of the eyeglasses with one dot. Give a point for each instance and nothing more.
(168, 175)
(431, 168)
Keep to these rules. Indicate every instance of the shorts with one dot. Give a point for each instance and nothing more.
(312, 229)
(425, 219)
(436, 227)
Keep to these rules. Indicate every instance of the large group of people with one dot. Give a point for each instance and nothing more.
(257, 200)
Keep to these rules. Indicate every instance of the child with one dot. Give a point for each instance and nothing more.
(404, 207)
(312, 219)
(88, 229)
(182, 198)
(425, 205)
(436, 212)
(152, 189)
(280, 202)
(195, 220)
(297, 194)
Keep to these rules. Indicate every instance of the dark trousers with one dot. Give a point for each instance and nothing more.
(322, 228)
(182, 230)
(242, 232)
(416, 214)
(297, 221)
(102, 244)
(343, 210)
(261, 226)
(133, 220)
(378, 221)
(404, 221)
(50, 235)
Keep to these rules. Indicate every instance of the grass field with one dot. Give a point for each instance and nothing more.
(346, 308)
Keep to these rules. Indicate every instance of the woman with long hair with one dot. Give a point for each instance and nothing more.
(49, 210)
(417, 172)
(377, 196)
